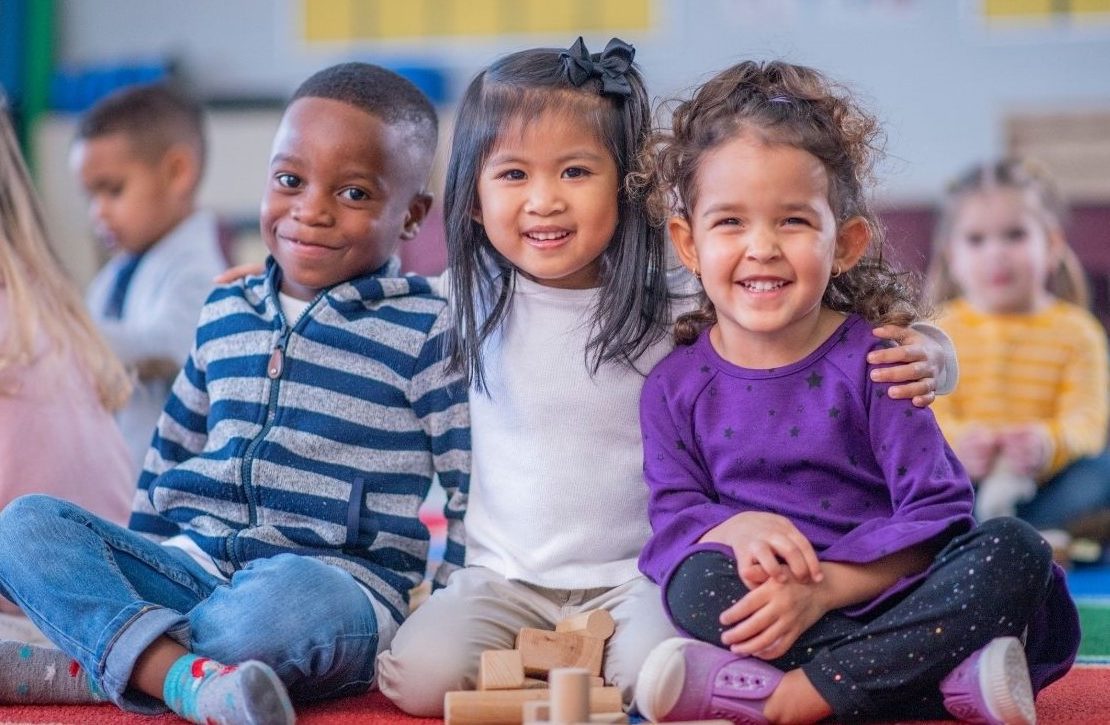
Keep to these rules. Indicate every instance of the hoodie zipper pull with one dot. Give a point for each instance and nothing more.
(276, 364)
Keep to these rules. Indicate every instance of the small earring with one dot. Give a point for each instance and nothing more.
(697, 275)
(837, 271)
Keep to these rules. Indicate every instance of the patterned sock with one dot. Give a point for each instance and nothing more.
(30, 674)
(204, 691)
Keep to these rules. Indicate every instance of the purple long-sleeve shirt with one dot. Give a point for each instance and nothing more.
(861, 475)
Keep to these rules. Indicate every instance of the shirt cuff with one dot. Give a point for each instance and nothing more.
(950, 375)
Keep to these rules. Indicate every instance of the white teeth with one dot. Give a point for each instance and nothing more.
(762, 285)
(546, 236)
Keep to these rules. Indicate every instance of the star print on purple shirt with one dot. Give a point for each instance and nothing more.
(861, 475)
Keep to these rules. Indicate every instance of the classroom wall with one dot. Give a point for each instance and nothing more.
(941, 77)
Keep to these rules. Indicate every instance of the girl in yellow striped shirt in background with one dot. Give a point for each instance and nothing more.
(1029, 416)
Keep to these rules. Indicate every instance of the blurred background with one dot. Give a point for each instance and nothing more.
(955, 81)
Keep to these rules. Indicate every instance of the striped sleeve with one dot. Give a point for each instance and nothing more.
(439, 400)
(1079, 428)
(181, 434)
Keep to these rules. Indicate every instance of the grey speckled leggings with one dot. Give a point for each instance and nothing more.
(982, 585)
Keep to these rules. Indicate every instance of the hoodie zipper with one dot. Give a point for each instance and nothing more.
(275, 368)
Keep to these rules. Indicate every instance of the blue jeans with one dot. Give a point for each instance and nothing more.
(103, 594)
(1081, 488)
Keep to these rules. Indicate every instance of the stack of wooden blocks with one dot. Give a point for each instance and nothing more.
(552, 677)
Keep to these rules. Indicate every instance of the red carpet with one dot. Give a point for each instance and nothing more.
(1081, 698)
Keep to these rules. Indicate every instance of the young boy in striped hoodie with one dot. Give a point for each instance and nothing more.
(275, 533)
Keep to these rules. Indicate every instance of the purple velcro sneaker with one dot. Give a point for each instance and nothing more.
(992, 686)
(684, 679)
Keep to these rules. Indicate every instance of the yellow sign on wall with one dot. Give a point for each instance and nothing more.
(1044, 9)
(330, 21)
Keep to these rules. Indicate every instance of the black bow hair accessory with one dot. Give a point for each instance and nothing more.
(610, 65)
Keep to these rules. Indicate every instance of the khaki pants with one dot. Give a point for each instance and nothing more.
(437, 649)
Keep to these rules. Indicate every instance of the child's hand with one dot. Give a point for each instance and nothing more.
(156, 368)
(977, 450)
(238, 272)
(916, 361)
(753, 575)
(771, 617)
(763, 539)
(1026, 448)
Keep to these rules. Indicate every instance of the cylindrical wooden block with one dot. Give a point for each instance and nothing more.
(506, 707)
(570, 695)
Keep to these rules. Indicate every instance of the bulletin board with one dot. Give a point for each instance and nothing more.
(1046, 12)
(345, 21)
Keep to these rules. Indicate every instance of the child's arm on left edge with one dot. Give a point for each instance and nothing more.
(924, 360)
(439, 399)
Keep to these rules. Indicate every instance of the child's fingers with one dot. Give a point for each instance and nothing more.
(903, 352)
(924, 401)
(912, 389)
(765, 556)
(755, 634)
(777, 649)
(897, 333)
(743, 608)
(895, 355)
(909, 372)
(753, 575)
(233, 274)
(749, 628)
(800, 558)
(809, 555)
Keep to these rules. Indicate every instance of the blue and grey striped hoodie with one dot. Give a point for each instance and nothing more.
(317, 437)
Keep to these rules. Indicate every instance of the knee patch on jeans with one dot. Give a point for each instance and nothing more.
(705, 584)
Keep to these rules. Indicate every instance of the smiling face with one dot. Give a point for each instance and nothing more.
(1001, 252)
(342, 193)
(765, 239)
(547, 198)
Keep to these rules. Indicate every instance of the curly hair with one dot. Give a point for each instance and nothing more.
(1066, 281)
(783, 103)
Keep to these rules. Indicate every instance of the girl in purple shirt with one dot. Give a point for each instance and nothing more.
(813, 537)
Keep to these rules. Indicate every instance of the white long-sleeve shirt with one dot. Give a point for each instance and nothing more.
(159, 314)
(557, 494)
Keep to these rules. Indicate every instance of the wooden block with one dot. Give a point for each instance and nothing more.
(501, 669)
(570, 695)
(596, 623)
(533, 682)
(543, 651)
(609, 717)
(419, 594)
(537, 712)
(701, 722)
(506, 707)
